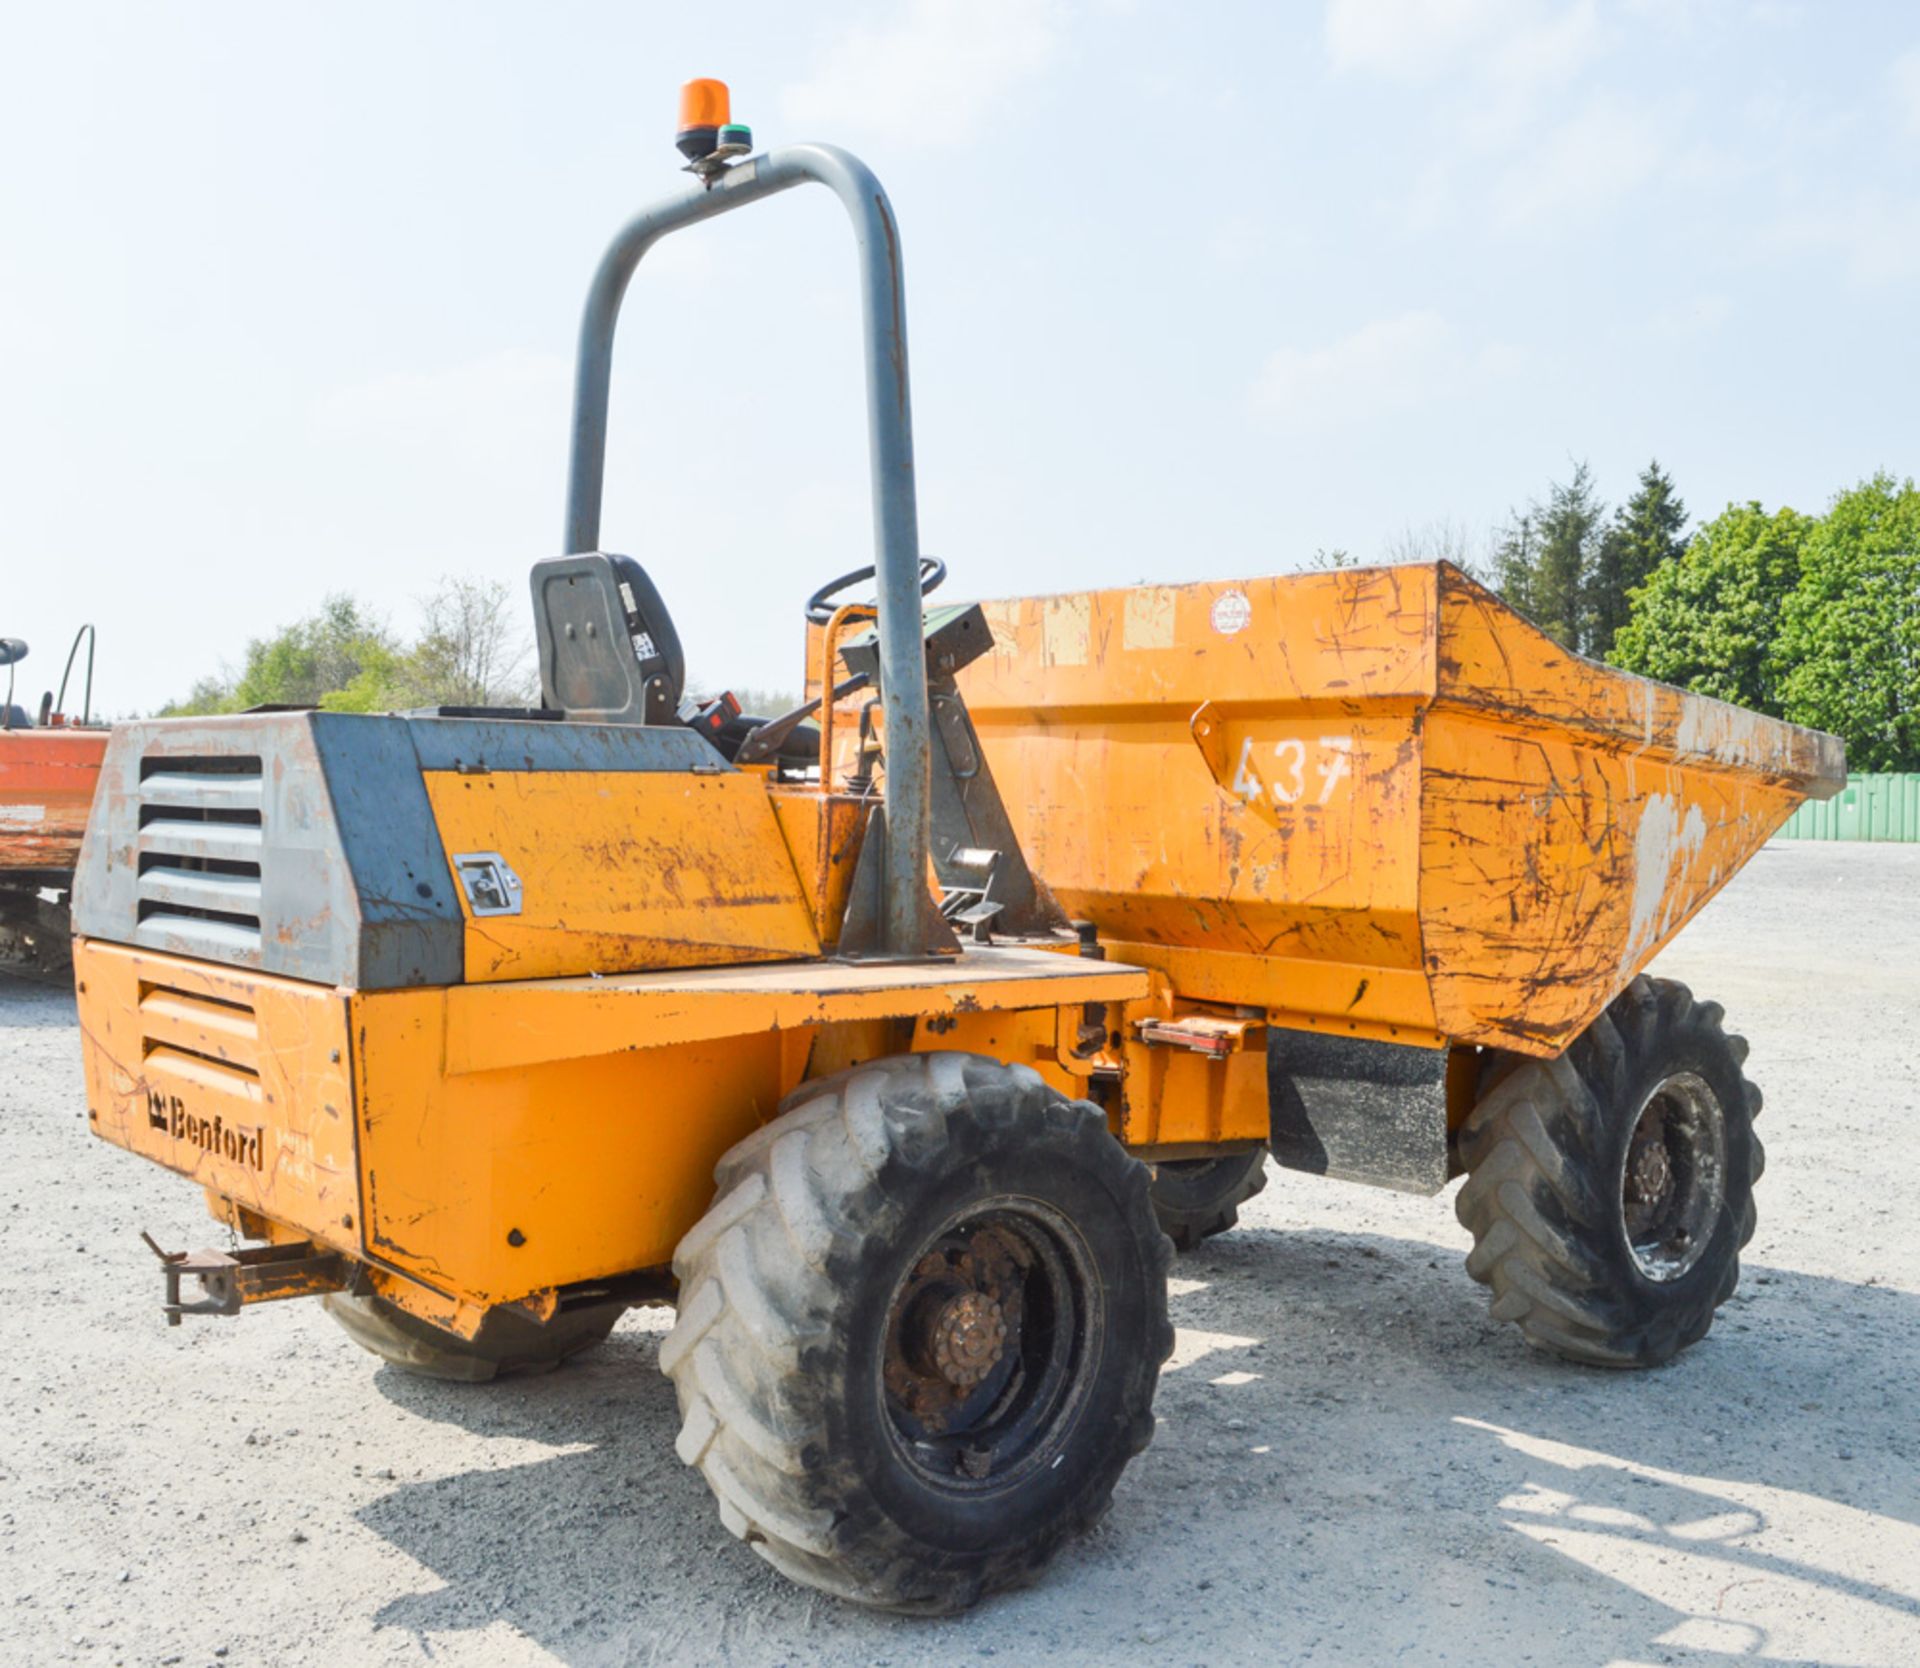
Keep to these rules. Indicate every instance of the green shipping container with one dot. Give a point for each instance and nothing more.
(1881, 807)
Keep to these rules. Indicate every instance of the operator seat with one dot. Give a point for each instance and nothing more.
(609, 654)
(608, 651)
(13, 717)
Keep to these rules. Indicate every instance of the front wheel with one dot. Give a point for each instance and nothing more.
(920, 1330)
(1610, 1191)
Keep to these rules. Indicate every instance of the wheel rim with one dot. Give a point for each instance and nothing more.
(1674, 1181)
(989, 1334)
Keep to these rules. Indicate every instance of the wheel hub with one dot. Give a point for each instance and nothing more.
(957, 1316)
(1650, 1171)
(968, 1337)
(1673, 1184)
(984, 1338)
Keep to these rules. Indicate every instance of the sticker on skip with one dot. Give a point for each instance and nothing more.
(1231, 612)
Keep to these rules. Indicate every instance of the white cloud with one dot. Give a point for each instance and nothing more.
(1493, 69)
(1545, 45)
(1392, 364)
(1408, 39)
(1906, 89)
(1876, 236)
(1600, 154)
(1513, 43)
(932, 73)
(1696, 17)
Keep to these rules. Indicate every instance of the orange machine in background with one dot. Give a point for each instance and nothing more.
(49, 765)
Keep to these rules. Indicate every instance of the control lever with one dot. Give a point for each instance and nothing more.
(764, 742)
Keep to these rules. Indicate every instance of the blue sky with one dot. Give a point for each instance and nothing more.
(288, 295)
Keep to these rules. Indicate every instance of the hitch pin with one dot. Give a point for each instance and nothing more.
(213, 1269)
(164, 1256)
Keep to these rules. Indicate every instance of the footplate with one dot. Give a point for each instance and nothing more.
(230, 1280)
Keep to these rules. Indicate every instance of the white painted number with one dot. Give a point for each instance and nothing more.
(1332, 766)
(1292, 754)
(1245, 783)
(1336, 762)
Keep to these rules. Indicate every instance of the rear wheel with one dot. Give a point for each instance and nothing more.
(1196, 1198)
(1610, 1191)
(509, 1340)
(920, 1330)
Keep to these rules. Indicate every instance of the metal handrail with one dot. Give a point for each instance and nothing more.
(852, 613)
(910, 926)
(60, 701)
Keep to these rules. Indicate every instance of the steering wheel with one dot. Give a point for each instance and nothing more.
(820, 610)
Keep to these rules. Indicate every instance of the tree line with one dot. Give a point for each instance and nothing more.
(468, 651)
(472, 647)
(1811, 618)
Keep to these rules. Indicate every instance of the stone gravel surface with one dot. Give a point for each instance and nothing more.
(1354, 1465)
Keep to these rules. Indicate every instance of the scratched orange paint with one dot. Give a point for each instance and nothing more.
(1373, 800)
(47, 779)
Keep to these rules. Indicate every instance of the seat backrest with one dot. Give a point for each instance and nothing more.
(608, 650)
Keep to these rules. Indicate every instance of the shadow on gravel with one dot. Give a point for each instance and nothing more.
(1347, 1445)
(33, 1002)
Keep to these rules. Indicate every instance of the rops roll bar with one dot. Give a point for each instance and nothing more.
(910, 925)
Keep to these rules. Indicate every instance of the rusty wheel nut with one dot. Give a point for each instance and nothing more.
(968, 1339)
(1652, 1172)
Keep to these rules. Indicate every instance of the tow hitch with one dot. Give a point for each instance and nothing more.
(230, 1280)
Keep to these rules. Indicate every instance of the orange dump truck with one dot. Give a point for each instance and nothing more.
(897, 1047)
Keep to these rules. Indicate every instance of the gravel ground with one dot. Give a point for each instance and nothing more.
(1353, 1466)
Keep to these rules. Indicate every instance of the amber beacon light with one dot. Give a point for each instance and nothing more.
(707, 131)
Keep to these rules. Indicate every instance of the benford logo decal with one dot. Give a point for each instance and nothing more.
(169, 1114)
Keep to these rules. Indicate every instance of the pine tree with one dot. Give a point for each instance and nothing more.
(1545, 556)
(1516, 556)
(1569, 536)
(1649, 530)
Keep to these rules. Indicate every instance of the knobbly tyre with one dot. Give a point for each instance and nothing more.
(863, 1038)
